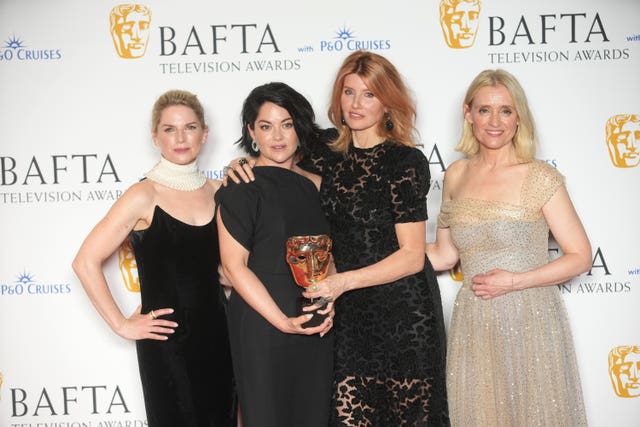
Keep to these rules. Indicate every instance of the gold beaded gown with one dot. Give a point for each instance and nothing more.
(510, 359)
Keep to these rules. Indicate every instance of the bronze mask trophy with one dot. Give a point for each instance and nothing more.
(309, 258)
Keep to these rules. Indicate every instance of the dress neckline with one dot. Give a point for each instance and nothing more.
(369, 149)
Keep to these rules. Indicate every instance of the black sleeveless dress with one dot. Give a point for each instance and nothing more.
(283, 380)
(187, 380)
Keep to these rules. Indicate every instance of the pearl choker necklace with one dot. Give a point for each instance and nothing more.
(179, 177)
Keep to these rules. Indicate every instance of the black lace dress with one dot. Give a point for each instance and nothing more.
(389, 358)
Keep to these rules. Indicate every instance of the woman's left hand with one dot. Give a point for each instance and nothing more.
(493, 283)
(330, 288)
(322, 307)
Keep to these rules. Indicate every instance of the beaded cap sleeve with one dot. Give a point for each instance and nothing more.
(540, 184)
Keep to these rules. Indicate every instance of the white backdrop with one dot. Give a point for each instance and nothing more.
(74, 123)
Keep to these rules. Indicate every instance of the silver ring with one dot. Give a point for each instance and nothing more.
(242, 161)
(324, 300)
(225, 170)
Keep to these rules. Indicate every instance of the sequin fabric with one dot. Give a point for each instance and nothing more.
(510, 359)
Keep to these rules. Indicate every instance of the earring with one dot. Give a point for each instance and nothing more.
(388, 124)
(343, 121)
(254, 146)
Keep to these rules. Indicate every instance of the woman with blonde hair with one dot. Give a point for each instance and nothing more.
(510, 354)
(180, 327)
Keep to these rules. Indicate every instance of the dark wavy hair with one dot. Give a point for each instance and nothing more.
(288, 98)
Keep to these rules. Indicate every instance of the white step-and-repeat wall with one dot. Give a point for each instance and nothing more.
(75, 107)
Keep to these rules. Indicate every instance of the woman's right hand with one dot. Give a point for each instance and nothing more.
(239, 170)
(147, 326)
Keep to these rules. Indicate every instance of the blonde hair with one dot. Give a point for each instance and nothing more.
(524, 140)
(176, 97)
(384, 81)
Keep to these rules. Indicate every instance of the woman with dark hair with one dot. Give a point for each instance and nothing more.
(282, 366)
(389, 357)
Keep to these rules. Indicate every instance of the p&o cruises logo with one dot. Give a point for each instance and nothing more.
(346, 41)
(15, 49)
(27, 285)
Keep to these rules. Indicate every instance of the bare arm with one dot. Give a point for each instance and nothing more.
(568, 231)
(99, 245)
(442, 253)
(407, 260)
(234, 258)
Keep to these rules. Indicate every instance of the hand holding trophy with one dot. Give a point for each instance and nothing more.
(309, 258)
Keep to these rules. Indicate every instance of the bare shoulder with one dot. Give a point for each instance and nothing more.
(457, 167)
(142, 192)
(454, 173)
(137, 200)
(214, 184)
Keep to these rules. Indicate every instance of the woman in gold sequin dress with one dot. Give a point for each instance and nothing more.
(510, 357)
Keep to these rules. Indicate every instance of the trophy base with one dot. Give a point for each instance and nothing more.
(317, 318)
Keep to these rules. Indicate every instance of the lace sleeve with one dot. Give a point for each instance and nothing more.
(409, 186)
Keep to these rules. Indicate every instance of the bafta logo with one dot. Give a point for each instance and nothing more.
(129, 26)
(624, 370)
(128, 267)
(456, 273)
(623, 140)
(309, 258)
(459, 22)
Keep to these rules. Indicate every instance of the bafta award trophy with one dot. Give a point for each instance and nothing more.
(309, 258)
